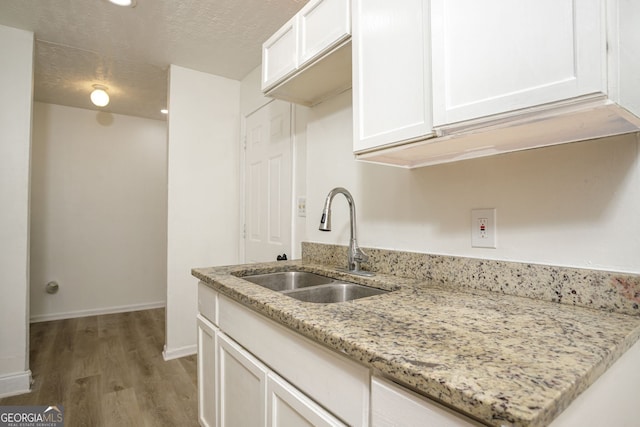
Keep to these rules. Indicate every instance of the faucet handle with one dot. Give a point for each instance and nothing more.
(359, 255)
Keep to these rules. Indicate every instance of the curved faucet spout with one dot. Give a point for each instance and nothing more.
(355, 255)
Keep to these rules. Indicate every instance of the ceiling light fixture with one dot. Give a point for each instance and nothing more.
(125, 3)
(99, 96)
(164, 111)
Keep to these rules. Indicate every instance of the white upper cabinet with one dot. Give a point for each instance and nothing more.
(323, 24)
(496, 56)
(309, 58)
(280, 54)
(391, 75)
(446, 80)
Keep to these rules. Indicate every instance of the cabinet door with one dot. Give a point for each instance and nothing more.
(395, 406)
(322, 24)
(242, 386)
(497, 56)
(288, 407)
(391, 73)
(280, 54)
(207, 375)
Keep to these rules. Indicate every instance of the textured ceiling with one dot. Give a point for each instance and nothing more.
(83, 42)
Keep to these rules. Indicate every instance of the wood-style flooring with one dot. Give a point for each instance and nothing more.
(108, 371)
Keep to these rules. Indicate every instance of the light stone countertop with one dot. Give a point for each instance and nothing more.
(504, 360)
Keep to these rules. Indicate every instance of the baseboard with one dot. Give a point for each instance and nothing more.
(97, 311)
(176, 353)
(13, 384)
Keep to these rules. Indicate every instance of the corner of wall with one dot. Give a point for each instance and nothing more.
(16, 85)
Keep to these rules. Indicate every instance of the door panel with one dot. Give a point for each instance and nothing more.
(288, 407)
(243, 386)
(275, 200)
(207, 375)
(268, 169)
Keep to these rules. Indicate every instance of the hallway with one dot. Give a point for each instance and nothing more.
(108, 370)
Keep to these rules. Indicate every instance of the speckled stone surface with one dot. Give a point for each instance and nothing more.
(602, 290)
(502, 359)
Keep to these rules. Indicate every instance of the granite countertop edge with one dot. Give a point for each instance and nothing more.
(346, 328)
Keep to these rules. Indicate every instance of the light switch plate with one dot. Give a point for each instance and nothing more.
(302, 207)
(483, 228)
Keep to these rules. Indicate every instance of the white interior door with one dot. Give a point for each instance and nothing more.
(268, 191)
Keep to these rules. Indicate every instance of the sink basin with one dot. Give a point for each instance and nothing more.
(287, 280)
(334, 292)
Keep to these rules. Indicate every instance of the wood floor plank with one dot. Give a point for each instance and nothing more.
(42, 341)
(183, 388)
(190, 365)
(86, 350)
(115, 365)
(155, 406)
(120, 409)
(51, 388)
(108, 370)
(83, 402)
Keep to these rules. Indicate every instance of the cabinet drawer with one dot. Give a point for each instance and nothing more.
(208, 303)
(392, 405)
(335, 382)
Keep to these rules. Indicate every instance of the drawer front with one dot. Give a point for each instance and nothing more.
(392, 405)
(335, 382)
(208, 303)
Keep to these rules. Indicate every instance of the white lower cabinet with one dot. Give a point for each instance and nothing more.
(249, 394)
(336, 383)
(242, 392)
(241, 382)
(288, 407)
(253, 372)
(395, 406)
(207, 375)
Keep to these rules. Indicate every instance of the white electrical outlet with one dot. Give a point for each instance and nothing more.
(302, 207)
(483, 228)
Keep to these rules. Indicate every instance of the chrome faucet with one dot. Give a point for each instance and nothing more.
(355, 255)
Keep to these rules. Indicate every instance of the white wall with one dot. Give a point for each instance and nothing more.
(98, 212)
(203, 224)
(16, 86)
(574, 205)
(251, 97)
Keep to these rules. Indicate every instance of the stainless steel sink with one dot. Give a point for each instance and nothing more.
(287, 280)
(311, 287)
(334, 292)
